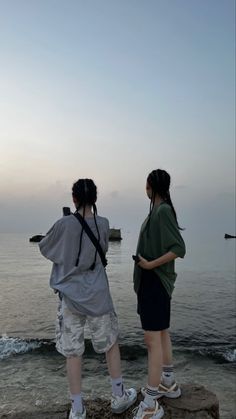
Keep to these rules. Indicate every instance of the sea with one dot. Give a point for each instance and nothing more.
(203, 330)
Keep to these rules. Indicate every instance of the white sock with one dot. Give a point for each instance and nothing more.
(150, 397)
(168, 376)
(77, 403)
(117, 386)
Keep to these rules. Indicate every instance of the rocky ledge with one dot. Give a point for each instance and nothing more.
(196, 402)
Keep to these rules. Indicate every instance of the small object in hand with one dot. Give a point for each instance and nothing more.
(136, 258)
(66, 211)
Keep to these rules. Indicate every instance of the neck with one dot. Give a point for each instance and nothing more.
(88, 211)
(158, 200)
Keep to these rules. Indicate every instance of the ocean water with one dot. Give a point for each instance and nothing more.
(202, 325)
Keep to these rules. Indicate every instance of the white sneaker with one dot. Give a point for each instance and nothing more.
(120, 404)
(77, 415)
(143, 411)
(172, 392)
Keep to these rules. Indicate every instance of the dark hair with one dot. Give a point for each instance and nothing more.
(85, 192)
(159, 181)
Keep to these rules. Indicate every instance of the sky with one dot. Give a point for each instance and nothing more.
(110, 90)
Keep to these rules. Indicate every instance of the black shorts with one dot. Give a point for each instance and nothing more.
(153, 302)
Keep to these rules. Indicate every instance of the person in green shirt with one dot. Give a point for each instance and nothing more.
(159, 244)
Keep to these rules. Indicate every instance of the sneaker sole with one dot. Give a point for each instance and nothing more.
(173, 395)
(124, 408)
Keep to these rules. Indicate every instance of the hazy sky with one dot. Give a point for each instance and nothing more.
(112, 89)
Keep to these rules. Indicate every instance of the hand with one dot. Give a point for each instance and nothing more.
(144, 263)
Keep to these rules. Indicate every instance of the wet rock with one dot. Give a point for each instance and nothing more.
(196, 402)
(36, 239)
(115, 234)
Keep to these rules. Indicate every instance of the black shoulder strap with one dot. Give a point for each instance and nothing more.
(92, 237)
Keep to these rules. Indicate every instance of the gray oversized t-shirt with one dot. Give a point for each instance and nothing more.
(85, 291)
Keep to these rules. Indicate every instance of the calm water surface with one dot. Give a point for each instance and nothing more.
(203, 322)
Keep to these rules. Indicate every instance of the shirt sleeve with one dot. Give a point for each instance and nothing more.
(171, 238)
(52, 245)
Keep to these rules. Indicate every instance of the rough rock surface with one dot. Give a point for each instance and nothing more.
(196, 402)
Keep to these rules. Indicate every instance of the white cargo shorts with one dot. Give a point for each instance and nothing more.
(70, 331)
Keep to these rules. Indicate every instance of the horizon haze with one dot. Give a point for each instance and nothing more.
(110, 91)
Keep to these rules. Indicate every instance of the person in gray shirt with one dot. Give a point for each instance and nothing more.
(79, 277)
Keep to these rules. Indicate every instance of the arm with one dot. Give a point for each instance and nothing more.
(171, 239)
(52, 245)
(167, 257)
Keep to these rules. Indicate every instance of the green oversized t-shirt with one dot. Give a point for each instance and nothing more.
(157, 237)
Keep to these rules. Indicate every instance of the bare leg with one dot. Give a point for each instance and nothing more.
(154, 347)
(74, 366)
(113, 361)
(166, 347)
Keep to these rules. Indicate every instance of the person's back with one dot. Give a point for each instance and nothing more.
(62, 242)
(84, 290)
(79, 277)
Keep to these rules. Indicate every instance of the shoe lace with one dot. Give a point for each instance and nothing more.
(126, 394)
(118, 399)
(139, 409)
